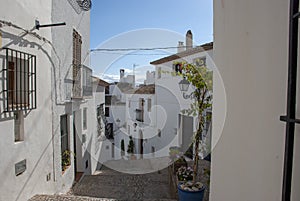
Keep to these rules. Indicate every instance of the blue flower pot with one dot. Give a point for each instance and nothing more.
(184, 195)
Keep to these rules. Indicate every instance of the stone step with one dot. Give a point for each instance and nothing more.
(83, 198)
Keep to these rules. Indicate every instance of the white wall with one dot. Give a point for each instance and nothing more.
(170, 100)
(250, 50)
(62, 11)
(37, 147)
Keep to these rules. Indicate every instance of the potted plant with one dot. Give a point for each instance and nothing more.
(201, 79)
(66, 160)
(130, 148)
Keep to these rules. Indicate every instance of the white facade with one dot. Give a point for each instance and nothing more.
(177, 129)
(250, 51)
(64, 102)
(35, 145)
(31, 162)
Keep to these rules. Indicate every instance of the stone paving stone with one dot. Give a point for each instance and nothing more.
(109, 185)
(125, 186)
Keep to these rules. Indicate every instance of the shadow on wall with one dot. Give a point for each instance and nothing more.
(87, 159)
(21, 42)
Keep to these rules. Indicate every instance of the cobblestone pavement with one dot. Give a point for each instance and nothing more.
(109, 185)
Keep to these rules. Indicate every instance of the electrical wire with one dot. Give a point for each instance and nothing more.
(133, 49)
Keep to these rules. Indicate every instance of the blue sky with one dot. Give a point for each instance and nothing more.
(120, 23)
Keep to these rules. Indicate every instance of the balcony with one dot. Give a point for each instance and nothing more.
(79, 84)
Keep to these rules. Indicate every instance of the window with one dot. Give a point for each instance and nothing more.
(19, 126)
(140, 111)
(159, 133)
(84, 119)
(139, 115)
(65, 149)
(153, 150)
(141, 103)
(158, 72)
(149, 104)
(129, 103)
(107, 90)
(20, 82)
(177, 67)
(128, 130)
(107, 111)
(77, 42)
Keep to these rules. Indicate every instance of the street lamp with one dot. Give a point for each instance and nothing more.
(184, 86)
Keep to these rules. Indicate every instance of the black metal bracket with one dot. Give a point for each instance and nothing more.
(297, 15)
(286, 119)
(38, 26)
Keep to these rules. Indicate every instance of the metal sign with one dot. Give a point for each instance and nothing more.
(20, 167)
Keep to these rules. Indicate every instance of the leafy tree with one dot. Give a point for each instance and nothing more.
(130, 148)
(201, 79)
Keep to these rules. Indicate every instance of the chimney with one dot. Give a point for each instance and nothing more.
(122, 72)
(189, 40)
(180, 47)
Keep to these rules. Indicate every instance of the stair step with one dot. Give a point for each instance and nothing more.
(83, 198)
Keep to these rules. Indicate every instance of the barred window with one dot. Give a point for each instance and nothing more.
(20, 81)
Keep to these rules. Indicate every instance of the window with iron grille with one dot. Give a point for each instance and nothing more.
(77, 42)
(20, 81)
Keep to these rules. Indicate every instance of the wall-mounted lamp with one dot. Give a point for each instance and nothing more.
(134, 126)
(184, 87)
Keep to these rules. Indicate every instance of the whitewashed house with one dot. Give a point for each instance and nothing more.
(27, 146)
(140, 120)
(78, 97)
(178, 128)
(48, 108)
